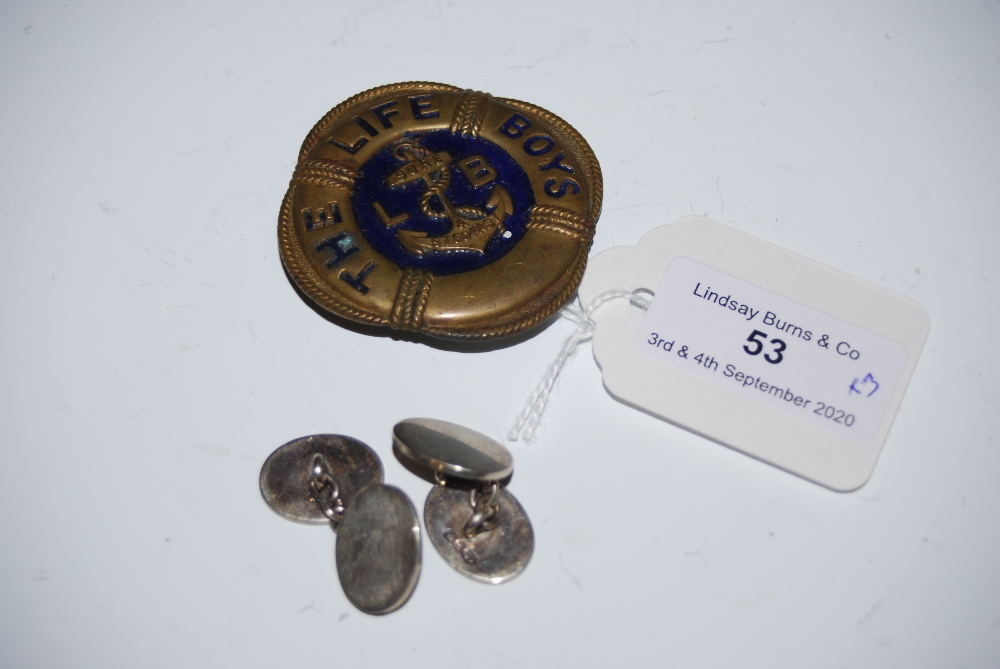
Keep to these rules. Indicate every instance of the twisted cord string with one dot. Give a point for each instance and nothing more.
(531, 415)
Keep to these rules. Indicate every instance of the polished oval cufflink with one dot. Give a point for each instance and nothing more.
(473, 521)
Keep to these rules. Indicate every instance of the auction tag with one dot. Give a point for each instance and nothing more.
(771, 349)
(775, 355)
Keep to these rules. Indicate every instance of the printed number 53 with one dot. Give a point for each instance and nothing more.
(758, 346)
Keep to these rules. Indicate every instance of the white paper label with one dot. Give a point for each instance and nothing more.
(775, 355)
(770, 349)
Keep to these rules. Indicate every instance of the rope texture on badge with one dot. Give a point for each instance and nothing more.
(531, 415)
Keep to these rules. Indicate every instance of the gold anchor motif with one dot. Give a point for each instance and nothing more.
(471, 227)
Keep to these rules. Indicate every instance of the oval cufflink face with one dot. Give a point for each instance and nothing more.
(378, 550)
(428, 208)
(285, 476)
(494, 556)
(452, 449)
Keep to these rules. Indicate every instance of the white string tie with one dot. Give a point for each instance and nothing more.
(529, 418)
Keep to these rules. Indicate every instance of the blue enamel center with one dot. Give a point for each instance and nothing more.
(387, 202)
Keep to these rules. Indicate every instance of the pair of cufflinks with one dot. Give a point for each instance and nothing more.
(472, 520)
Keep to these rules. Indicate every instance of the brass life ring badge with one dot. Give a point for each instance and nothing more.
(429, 208)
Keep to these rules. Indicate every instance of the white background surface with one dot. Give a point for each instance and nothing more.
(153, 352)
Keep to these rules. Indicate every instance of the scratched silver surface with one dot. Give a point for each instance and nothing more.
(378, 550)
(284, 478)
(495, 556)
